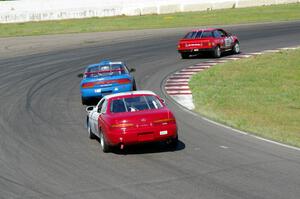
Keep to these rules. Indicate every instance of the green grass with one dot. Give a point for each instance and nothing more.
(260, 95)
(217, 17)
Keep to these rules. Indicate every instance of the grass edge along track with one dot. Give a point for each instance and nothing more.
(260, 95)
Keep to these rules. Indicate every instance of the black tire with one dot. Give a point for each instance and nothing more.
(236, 48)
(185, 55)
(89, 130)
(217, 52)
(134, 86)
(173, 143)
(84, 101)
(103, 143)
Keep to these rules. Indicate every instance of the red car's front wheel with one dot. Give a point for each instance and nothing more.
(236, 48)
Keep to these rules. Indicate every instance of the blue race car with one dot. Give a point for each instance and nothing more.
(105, 78)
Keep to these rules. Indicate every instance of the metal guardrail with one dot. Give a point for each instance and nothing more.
(39, 10)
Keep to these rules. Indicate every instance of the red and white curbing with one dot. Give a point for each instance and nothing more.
(177, 85)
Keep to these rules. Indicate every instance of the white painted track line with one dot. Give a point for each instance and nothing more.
(168, 87)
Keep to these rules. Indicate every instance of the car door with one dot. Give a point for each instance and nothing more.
(219, 38)
(102, 112)
(228, 41)
(94, 117)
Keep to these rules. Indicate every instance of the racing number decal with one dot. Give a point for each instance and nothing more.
(228, 41)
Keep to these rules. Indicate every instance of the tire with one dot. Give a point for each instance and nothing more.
(89, 130)
(236, 48)
(185, 55)
(103, 143)
(84, 101)
(134, 86)
(173, 143)
(217, 52)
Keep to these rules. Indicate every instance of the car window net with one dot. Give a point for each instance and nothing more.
(207, 34)
(199, 34)
(133, 104)
(105, 70)
(217, 34)
(118, 106)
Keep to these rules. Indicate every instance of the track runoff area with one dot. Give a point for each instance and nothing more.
(177, 86)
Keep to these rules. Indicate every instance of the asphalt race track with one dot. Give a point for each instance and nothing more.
(45, 151)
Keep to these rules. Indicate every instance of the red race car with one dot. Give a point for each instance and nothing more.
(130, 118)
(212, 40)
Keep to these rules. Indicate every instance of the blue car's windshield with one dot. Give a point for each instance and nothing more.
(106, 70)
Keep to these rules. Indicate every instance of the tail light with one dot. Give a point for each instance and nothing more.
(119, 81)
(122, 125)
(88, 85)
(124, 81)
(106, 82)
(165, 121)
(182, 45)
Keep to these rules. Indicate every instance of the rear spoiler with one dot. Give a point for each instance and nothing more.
(103, 71)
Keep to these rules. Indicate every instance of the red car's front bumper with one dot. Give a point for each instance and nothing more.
(141, 135)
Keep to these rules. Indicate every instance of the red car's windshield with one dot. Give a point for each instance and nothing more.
(136, 103)
(198, 35)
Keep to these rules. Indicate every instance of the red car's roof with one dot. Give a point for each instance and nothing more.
(132, 93)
